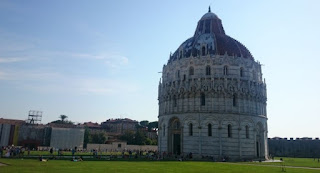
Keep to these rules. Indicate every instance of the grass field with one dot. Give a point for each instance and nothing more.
(61, 166)
(287, 161)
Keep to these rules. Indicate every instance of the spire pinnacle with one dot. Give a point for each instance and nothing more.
(209, 9)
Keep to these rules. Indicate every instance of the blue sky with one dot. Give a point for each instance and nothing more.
(95, 60)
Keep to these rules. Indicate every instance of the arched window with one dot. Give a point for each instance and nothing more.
(191, 71)
(208, 70)
(234, 100)
(241, 72)
(184, 77)
(203, 50)
(190, 129)
(247, 132)
(178, 74)
(164, 130)
(225, 70)
(254, 75)
(209, 130)
(174, 101)
(180, 54)
(229, 131)
(203, 99)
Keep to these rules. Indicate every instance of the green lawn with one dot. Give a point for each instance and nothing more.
(287, 161)
(34, 166)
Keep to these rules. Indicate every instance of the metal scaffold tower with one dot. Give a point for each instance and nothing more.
(34, 117)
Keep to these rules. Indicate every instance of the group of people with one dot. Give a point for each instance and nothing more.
(13, 151)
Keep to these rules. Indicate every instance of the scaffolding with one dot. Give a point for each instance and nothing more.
(34, 117)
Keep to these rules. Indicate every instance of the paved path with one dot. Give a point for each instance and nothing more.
(298, 167)
(2, 164)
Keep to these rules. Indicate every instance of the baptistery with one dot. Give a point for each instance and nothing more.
(212, 98)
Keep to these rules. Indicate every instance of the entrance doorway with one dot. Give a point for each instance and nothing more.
(176, 144)
(258, 149)
(174, 137)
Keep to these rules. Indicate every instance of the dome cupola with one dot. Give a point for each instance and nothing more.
(209, 23)
(210, 39)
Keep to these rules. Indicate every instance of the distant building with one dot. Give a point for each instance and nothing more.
(91, 125)
(119, 126)
(9, 131)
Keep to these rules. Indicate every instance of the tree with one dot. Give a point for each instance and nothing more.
(139, 138)
(129, 137)
(144, 123)
(152, 125)
(86, 137)
(98, 138)
(63, 117)
(62, 121)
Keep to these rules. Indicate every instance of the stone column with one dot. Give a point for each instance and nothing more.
(220, 143)
(181, 139)
(239, 139)
(199, 132)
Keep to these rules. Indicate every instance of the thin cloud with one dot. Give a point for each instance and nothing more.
(48, 82)
(12, 42)
(12, 60)
(107, 86)
(111, 60)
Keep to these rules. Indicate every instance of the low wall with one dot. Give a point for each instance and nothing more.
(120, 146)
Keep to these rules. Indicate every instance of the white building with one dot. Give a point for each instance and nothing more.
(212, 99)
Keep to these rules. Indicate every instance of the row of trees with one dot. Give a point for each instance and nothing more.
(146, 124)
(140, 136)
(137, 138)
(95, 138)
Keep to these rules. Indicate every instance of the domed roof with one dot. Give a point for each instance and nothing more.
(210, 38)
(209, 15)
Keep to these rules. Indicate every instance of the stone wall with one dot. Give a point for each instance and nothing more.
(300, 147)
(218, 145)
